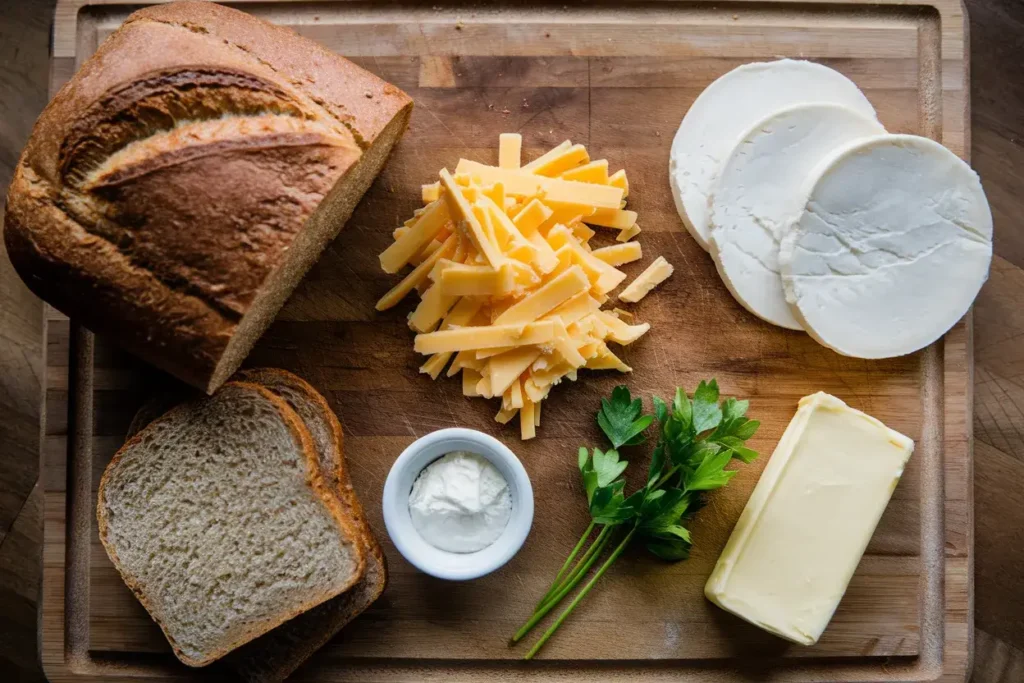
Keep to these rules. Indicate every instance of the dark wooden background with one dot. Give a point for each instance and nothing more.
(997, 57)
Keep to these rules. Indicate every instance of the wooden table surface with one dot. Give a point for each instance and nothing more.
(997, 56)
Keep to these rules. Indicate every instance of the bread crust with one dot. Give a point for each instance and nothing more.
(353, 95)
(348, 533)
(157, 252)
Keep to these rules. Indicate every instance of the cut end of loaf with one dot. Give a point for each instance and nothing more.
(322, 227)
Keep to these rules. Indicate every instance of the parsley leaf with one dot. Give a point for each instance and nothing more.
(661, 512)
(682, 411)
(711, 474)
(602, 481)
(621, 418)
(731, 408)
(747, 429)
(739, 451)
(657, 465)
(660, 409)
(607, 504)
(706, 413)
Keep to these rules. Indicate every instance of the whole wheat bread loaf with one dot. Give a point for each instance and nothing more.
(218, 519)
(178, 187)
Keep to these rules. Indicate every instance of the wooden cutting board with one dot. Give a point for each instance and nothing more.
(618, 78)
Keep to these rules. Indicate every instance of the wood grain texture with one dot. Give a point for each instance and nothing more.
(998, 130)
(552, 74)
(24, 34)
(20, 570)
(996, 661)
(998, 120)
(1000, 454)
(21, 330)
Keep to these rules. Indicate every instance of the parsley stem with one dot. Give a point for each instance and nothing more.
(567, 586)
(582, 594)
(568, 563)
(668, 475)
(582, 567)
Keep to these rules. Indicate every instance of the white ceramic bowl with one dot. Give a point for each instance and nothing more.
(441, 563)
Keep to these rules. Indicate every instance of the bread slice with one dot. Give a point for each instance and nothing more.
(218, 519)
(176, 190)
(274, 656)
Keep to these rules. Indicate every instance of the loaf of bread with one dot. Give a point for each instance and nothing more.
(179, 186)
(218, 518)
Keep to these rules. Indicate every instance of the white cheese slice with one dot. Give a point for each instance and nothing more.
(760, 190)
(807, 523)
(891, 249)
(729, 107)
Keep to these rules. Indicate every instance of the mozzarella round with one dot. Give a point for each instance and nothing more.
(759, 192)
(894, 242)
(729, 107)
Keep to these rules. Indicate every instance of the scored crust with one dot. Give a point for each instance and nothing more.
(364, 103)
(348, 534)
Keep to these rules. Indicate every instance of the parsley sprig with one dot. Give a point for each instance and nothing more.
(697, 439)
(622, 420)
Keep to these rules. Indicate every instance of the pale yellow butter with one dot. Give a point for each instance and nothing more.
(799, 539)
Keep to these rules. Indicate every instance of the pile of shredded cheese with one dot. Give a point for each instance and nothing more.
(510, 289)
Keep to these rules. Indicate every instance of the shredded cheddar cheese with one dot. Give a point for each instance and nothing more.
(510, 287)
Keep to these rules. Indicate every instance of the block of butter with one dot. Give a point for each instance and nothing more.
(799, 539)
